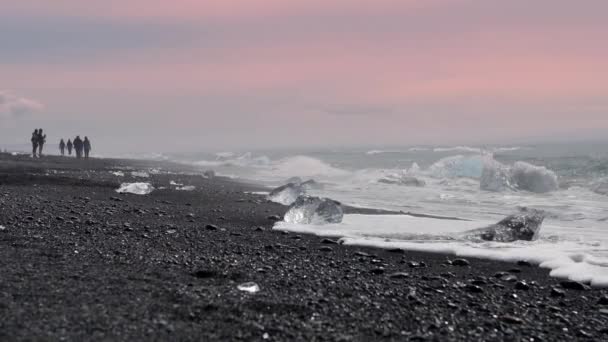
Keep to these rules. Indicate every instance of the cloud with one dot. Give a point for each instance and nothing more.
(13, 106)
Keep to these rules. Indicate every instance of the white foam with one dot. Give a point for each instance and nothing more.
(140, 174)
(566, 251)
(186, 188)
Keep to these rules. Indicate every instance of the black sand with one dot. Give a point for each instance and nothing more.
(81, 262)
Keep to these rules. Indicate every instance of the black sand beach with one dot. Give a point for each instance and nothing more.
(81, 262)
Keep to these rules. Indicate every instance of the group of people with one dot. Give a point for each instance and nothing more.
(81, 147)
(38, 140)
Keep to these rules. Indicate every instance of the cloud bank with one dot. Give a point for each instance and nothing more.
(13, 106)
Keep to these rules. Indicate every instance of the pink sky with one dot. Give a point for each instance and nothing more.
(232, 73)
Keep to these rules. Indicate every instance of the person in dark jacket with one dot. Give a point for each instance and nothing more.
(34, 143)
(78, 145)
(70, 145)
(41, 141)
(87, 147)
(62, 147)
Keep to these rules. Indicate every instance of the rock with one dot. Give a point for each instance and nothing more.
(209, 174)
(524, 226)
(204, 274)
(460, 262)
(286, 194)
(396, 250)
(473, 288)
(415, 264)
(402, 180)
(603, 300)
(377, 271)
(363, 254)
(524, 263)
(399, 275)
(555, 292)
(211, 227)
(509, 278)
(314, 210)
(522, 285)
(274, 218)
(511, 319)
(325, 249)
(574, 285)
(329, 241)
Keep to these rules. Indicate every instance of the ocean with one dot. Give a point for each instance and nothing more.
(466, 187)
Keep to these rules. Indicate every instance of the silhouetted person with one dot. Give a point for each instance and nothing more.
(34, 143)
(70, 146)
(87, 147)
(41, 141)
(78, 145)
(62, 147)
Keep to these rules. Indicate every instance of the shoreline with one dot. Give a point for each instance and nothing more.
(83, 262)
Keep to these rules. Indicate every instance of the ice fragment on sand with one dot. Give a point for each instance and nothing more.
(140, 174)
(524, 226)
(135, 188)
(2, 227)
(118, 173)
(314, 210)
(250, 287)
(186, 188)
(286, 194)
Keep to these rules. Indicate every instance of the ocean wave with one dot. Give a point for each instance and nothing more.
(304, 167)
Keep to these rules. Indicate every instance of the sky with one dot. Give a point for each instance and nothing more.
(189, 75)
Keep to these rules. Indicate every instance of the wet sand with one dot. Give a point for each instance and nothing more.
(81, 262)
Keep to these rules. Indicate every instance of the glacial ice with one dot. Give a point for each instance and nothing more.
(402, 179)
(521, 176)
(118, 173)
(286, 194)
(135, 188)
(311, 184)
(523, 226)
(314, 210)
(534, 178)
(249, 287)
(186, 188)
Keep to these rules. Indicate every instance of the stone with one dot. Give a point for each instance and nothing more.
(460, 262)
(211, 227)
(574, 285)
(377, 271)
(399, 275)
(511, 319)
(555, 292)
(603, 300)
(522, 285)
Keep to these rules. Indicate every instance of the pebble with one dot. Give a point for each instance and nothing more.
(204, 273)
(511, 319)
(211, 227)
(474, 288)
(399, 275)
(555, 292)
(509, 278)
(415, 264)
(377, 271)
(274, 218)
(524, 263)
(460, 262)
(603, 300)
(329, 241)
(363, 254)
(325, 249)
(574, 285)
(522, 285)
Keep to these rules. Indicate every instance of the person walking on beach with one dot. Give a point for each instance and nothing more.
(41, 142)
(34, 143)
(62, 147)
(70, 147)
(87, 147)
(78, 146)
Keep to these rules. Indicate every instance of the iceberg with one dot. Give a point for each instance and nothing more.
(524, 226)
(286, 194)
(135, 188)
(314, 210)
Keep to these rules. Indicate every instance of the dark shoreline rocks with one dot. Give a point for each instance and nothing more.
(86, 277)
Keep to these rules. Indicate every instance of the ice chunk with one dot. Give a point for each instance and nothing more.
(294, 180)
(524, 226)
(118, 173)
(140, 174)
(495, 176)
(136, 188)
(175, 183)
(250, 287)
(534, 178)
(402, 179)
(314, 210)
(311, 184)
(209, 174)
(286, 194)
(600, 187)
(186, 188)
